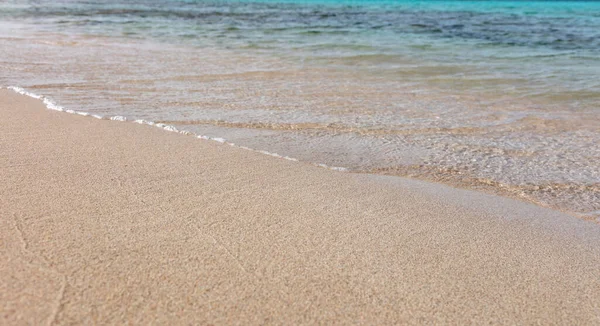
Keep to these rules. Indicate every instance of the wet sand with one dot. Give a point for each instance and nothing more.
(112, 222)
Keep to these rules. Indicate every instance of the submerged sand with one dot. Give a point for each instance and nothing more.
(112, 222)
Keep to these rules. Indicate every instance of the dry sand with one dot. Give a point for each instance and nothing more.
(114, 222)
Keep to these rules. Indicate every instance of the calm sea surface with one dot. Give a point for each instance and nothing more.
(500, 96)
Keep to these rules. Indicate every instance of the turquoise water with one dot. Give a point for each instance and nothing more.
(548, 25)
(539, 49)
(501, 96)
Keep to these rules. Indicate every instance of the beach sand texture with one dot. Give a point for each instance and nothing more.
(113, 222)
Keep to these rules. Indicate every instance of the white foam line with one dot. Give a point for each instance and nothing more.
(24, 92)
(144, 122)
(52, 106)
(118, 118)
(338, 168)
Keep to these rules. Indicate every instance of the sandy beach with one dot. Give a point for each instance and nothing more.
(112, 222)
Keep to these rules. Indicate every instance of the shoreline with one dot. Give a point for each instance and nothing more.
(117, 223)
(466, 183)
(50, 105)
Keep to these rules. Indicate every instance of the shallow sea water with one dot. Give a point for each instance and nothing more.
(497, 96)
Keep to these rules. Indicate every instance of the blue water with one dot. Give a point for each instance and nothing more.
(564, 25)
(539, 49)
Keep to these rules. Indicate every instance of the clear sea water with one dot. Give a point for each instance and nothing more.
(500, 96)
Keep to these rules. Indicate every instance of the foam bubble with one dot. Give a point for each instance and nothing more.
(170, 128)
(118, 118)
(50, 105)
(144, 122)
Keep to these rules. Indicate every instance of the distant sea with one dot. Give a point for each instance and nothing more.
(499, 96)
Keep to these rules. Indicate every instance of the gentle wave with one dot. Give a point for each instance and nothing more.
(557, 43)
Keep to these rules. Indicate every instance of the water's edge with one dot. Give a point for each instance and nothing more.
(50, 105)
(498, 191)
